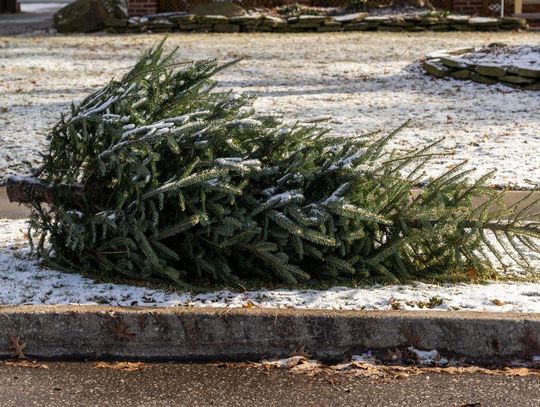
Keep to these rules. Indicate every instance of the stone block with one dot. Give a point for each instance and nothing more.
(247, 19)
(518, 80)
(493, 71)
(476, 77)
(351, 18)
(184, 19)
(226, 28)
(534, 86)
(363, 26)
(212, 19)
(526, 72)
(330, 28)
(274, 22)
(112, 22)
(454, 62)
(461, 74)
(435, 68)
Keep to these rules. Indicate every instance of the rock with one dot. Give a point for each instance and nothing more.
(351, 18)
(247, 19)
(483, 21)
(461, 74)
(81, 16)
(435, 68)
(526, 72)
(460, 51)
(218, 8)
(376, 19)
(117, 8)
(327, 28)
(308, 21)
(534, 86)
(397, 22)
(513, 22)
(184, 19)
(518, 80)
(494, 27)
(265, 29)
(415, 28)
(292, 20)
(113, 22)
(497, 45)
(437, 54)
(457, 18)
(226, 28)
(494, 71)
(453, 62)
(194, 27)
(429, 20)
(482, 79)
(390, 28)
(413, 18)
(162, 25)
(212, 19)
(274, 22)
(439, 27)
(460, 27)
(363, 26)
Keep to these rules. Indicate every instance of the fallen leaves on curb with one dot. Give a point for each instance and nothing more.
(33, 364)
(362, 367)
(125, 366)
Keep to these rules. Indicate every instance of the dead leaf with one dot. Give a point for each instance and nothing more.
(394, 304)
(33, 364)
(125, 366)
(17, 347)
(472, 273)
(249, 304)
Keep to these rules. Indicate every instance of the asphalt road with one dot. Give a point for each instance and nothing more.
(86, 384)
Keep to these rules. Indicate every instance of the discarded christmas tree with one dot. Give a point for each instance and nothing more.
(160, 176)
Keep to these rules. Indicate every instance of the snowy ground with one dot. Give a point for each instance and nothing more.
(366, 81)
(22, 281)
(526, 56)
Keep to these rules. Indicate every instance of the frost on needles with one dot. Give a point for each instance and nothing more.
(186, 183)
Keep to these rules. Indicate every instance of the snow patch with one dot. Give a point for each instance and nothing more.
(23, 281)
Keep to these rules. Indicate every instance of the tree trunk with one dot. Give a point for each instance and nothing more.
(32, 190)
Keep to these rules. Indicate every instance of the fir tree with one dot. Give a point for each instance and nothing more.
(186, 183)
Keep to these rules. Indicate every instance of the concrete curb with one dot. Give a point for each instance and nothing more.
(213, 334)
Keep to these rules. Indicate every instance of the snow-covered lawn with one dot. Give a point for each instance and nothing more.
(366, 81)
(525, 56)
(22, 281)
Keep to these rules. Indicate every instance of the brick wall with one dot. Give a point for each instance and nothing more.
(477, 7)
(142, 7)
(472, 7)
(467, 6)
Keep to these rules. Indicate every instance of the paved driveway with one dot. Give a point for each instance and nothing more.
(33, 17)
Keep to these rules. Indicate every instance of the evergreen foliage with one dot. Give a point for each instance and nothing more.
(187, 183)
